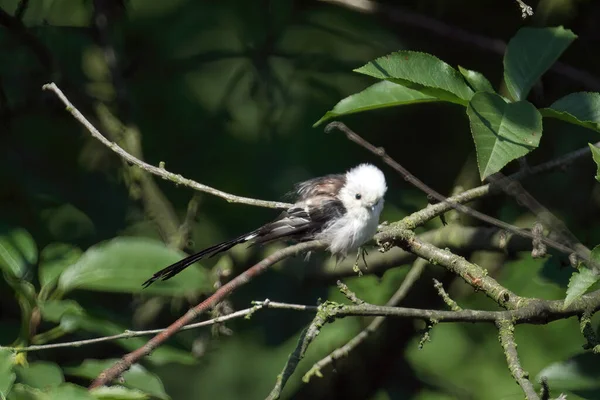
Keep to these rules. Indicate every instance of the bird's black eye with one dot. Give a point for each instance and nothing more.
(358, 196)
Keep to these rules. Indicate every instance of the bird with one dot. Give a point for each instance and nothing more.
(341, 210)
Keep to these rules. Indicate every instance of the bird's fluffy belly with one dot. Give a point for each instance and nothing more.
(351, 231)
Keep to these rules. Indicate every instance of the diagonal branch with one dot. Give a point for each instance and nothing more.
(129, 359)
(354, 137)
(158, 171)
(507, 340)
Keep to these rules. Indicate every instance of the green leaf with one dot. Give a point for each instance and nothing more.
(40, 374)
(581, 372)
(596, 157)
(124, 263)
(422, 72)
(54, 259)
(477, 81)
(117, 393)
(380, 95)
(502, 131)
(529, 54)
(137, 377)
(581, 108)
(67, 313)
(581, 281)
(17, 251)
(7, 376)
(66, 391)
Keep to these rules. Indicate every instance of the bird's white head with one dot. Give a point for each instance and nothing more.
(364, 189)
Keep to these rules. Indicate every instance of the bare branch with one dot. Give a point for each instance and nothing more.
(130, 334)
(445, 296)
(446, 31)
(129, 359)
(158, 171)
(507, 339)
(412, 276)
(379, 151)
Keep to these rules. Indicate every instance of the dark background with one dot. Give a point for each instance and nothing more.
(226, 93)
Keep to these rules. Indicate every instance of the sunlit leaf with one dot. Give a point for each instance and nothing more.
(529, 54)
(54, 259)
(581, 108)
(117, 393)
(124, 263)
(39, 374)
(581, 372)
(17, 251)
(502, 131)
(581, 281)
(596, 157)
(137, 377)
(420, 71)
(380, 95)
(477, 81)
(7, 376)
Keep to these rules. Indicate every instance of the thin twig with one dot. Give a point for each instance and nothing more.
(306, 337)
(354, 137)
(158, 171)
(410, 279)
(446, 31)
(129, 359)
(131, 334)
(445, 296)
(507, 340)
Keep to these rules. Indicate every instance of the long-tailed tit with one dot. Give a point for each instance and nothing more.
(340, 210)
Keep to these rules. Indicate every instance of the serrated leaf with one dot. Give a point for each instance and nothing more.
(17, 251)
(380, 95)
(7, 376)
(137, 377)
(529, 54)
(422, 72)
(477, 81)
(40, 374)
(124, 263)
(596, 157)
(581, 372)
(581, 108)
(502, 131)
(117, 393)
(579, 283)
(54, 259)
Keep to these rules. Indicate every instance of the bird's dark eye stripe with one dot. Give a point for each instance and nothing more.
(358, 196)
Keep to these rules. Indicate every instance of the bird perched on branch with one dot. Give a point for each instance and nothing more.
(340, 210)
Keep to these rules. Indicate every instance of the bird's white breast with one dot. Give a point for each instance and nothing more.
(352, 230)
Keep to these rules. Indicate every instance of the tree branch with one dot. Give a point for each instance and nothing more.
(158, 171)
(403, 16)
(461, 240)
(410, 279)
(130, 334)
(129, 359)
(507, 340)
(379, 151)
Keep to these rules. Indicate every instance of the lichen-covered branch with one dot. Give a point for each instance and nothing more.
(507, 340)
(158, 171)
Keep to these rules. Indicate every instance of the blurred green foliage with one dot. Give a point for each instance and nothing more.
(226, 93)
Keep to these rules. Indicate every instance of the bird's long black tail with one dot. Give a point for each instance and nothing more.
(174, 269)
